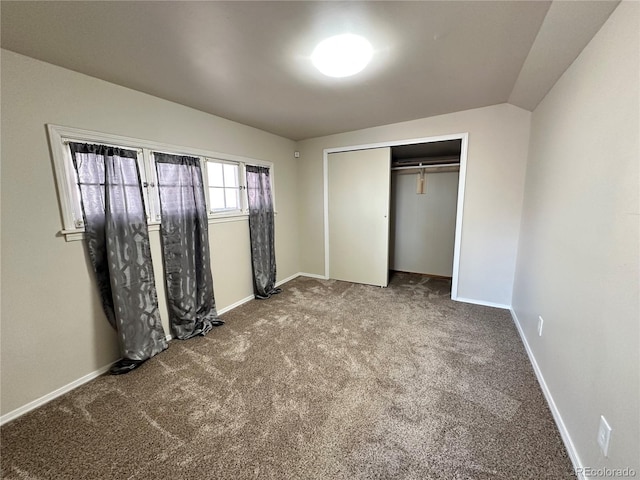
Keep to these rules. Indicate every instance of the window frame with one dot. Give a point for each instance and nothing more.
(242, 189)
(69, 194)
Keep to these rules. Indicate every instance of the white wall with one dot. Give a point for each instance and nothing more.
(498, 141)
(423, 225)
(53, 329)
(578, 261)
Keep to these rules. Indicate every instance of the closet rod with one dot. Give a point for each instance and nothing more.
(424, 167)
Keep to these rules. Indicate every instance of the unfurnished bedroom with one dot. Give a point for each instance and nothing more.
(320, 240)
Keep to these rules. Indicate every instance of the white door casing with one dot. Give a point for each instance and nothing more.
(464, 137)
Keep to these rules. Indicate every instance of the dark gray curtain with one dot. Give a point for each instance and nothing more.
(185, 246)
(118, 243)
(261, 230)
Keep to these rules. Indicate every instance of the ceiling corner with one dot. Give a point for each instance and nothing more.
(566, 30)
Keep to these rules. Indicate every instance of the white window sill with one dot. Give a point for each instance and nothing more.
(72, 235)
(78, 234)
(233, 216)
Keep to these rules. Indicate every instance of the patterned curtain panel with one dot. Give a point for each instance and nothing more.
(261, 229)
(118, 243)
(185, 246)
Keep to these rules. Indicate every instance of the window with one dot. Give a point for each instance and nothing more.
(224, 186)
(75, 220)
(223, 176)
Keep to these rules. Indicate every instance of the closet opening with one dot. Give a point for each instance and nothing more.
(395, 206)
(423, 207)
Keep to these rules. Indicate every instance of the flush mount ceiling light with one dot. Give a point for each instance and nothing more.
(342, 55)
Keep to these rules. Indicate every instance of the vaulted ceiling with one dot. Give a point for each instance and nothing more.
(249, 61)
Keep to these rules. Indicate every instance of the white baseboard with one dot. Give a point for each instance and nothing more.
(564, 433)
(288, 279)
(482, 302)
(251, 297)
(7, 417)
(313, 275)
(236, 304)
(90, 376)
(300, 274)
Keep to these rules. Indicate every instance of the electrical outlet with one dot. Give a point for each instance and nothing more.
(540, 322)
(604, 436)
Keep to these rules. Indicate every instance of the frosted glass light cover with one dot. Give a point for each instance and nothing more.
(342, 55)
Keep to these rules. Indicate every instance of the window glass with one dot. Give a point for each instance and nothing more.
(216, 197)
(224, 186)
(231, 198)
(230, 175)
(215, 174)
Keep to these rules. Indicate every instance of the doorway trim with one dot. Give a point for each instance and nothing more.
(464, 137)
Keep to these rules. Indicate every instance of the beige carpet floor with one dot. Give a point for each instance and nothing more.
(327, 380)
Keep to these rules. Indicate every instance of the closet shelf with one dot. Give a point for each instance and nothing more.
(442, 167)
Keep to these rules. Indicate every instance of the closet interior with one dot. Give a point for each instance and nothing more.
(424, 193)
